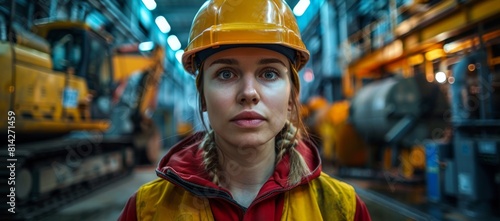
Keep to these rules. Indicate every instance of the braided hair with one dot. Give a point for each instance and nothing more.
(286, 142)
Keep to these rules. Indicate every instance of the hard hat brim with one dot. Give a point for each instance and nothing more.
(237, 35)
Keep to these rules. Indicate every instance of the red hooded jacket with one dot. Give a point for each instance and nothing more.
(183, 167)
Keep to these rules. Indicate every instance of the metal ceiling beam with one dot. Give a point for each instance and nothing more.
(114, 14)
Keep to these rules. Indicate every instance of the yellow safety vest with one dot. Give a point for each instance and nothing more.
(323, 198)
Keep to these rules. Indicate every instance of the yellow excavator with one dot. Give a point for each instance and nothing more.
(72, 128)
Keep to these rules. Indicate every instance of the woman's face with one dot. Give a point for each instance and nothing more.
(246, 95)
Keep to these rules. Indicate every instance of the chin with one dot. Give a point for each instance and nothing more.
(249, 140)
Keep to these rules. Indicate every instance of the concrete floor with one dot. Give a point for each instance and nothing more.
(106, 203)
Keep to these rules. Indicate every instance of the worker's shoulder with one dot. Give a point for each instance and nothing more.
(326, 182)
(156, 185)
(156, 189)
(158, 182)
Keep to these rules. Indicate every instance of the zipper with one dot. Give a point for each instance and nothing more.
(275, 191)
(199, 190)
(172, 177)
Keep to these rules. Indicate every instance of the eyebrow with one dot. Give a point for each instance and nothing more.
(271, 61)
(230, 61)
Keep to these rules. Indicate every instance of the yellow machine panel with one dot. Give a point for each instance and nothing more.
(38, 94)
(6, 86)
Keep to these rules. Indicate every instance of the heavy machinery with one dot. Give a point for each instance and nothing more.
(383, 127)
(398, 113)
(465, 171)
(57, 89)
(450, 49)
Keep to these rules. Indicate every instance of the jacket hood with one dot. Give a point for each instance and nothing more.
(183, 166)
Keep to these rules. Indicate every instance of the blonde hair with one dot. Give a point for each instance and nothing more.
(286, 140)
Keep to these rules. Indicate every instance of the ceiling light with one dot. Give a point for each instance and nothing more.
(440, 77)
(146, 46)
(174, 42)
(301, 7)
(178, 55)
(150, 4)
(162, 24)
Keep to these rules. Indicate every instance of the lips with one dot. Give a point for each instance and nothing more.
(248, 119)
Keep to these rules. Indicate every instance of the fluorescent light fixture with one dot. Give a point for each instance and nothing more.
(440, 77)
(162, 24)
(174, 42)
(301, 7)
(150, 4)
(146, 46)
(178, 55)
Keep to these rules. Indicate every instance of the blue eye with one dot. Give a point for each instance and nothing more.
(270, 74)
(225, 74)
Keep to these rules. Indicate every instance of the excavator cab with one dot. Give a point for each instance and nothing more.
(81, 51)
(84, 53)
(58, 77)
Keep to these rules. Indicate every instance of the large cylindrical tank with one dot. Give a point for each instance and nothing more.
(401, 110)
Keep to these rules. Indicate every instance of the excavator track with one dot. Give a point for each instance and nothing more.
(52, 174)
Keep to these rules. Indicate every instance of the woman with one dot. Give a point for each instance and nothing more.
(252, 163)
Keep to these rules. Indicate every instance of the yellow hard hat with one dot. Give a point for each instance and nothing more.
(223, 24)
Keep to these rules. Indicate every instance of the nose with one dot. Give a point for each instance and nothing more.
(249, 91)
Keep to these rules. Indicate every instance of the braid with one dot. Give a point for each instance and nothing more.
(286, 141)
(210, 158)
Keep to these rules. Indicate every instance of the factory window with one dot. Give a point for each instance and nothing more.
(66, 50)
(99, 69)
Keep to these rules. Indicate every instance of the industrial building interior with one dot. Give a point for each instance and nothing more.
(402, 98)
